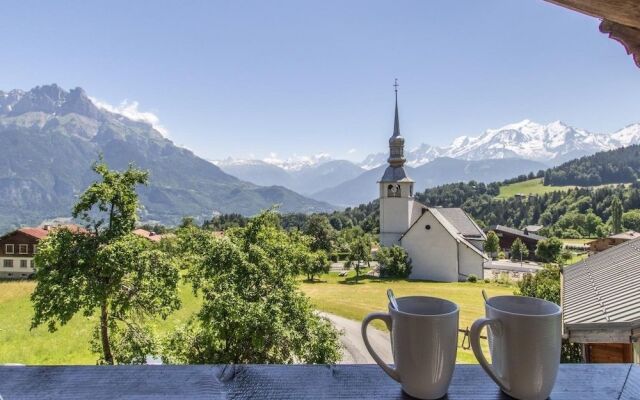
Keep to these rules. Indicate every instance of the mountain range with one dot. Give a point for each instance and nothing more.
(495, 155)
(551, 144)
(50, 137)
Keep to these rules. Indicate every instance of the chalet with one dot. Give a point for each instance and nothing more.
(18, 248)
(602, 244)
(508, 235)
(601, 304)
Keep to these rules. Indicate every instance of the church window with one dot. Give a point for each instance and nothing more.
(427, 227)
(393, 191)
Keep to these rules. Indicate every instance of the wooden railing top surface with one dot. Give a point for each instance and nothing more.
(576, 381)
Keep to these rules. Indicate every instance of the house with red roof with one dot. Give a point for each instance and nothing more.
(18, 248)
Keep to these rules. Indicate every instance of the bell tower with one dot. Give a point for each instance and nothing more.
(396, 189)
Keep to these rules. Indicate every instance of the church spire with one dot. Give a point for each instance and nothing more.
(396, 124)
(396, 142)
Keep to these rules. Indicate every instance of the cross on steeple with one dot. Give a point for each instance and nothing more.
(395, 85)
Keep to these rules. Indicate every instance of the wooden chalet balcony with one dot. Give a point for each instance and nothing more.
(575, 381)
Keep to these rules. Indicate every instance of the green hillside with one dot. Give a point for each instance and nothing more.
(531, 186)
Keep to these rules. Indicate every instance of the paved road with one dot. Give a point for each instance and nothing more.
(354, 351)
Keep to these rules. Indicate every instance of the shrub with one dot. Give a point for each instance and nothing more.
(394, 262)
(472, 278)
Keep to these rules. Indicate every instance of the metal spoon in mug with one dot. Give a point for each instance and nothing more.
(484, 294)
(392, 299)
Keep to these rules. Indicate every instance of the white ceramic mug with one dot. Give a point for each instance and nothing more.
(525, 339)
(424, 340)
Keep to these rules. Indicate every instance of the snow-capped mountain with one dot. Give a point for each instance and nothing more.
(552, 144)
(295, 163)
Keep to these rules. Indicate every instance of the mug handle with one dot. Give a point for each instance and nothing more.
(474, 338)
(386, 318)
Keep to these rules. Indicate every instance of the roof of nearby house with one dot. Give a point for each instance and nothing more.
(37, 233)
(42, 232)
(604, 288)
(154, 237)
(514, 231)
(628, 235)
(462, 222)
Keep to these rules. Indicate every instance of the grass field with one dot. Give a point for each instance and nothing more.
(70, 344)
(577, 242)
(532, 186)
(353, 301)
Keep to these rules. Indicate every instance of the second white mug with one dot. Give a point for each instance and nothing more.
(525, 341)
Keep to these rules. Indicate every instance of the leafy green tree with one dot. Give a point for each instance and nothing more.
(592, 222)
(394, 262)
(492, 244)
(545, 284)
(252, 309)
(631, 220)
(603, 231)
(616, 215)
(518, 250)
(359, 255)
(321, 232)
(549, 250)
(109, 270)
(316, 263)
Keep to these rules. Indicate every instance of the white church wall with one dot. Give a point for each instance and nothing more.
(432, 251)
(394, 219)
(470, 262)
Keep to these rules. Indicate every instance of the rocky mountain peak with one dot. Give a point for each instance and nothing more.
(50, 99)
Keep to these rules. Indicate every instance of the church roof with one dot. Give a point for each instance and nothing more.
(395, 174)
(462, 222)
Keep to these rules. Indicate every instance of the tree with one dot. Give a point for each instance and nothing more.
(631, 220)
(519, 250)
(360, 253)
(252, 310)
(321, 232)
(549, 250)
(316, 263)
(616, 215)
(545, 284)
(107, 269)
(394, 262)
(592, 222)
(492, 244)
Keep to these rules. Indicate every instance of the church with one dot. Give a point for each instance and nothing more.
(444, 244)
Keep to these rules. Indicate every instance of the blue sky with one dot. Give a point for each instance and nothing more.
(250, 78)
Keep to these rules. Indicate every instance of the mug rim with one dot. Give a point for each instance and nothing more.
(454, 311)
(557, 312)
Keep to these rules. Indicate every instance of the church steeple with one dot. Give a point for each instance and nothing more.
(397, 207)
(396, 142)
(396, 124)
